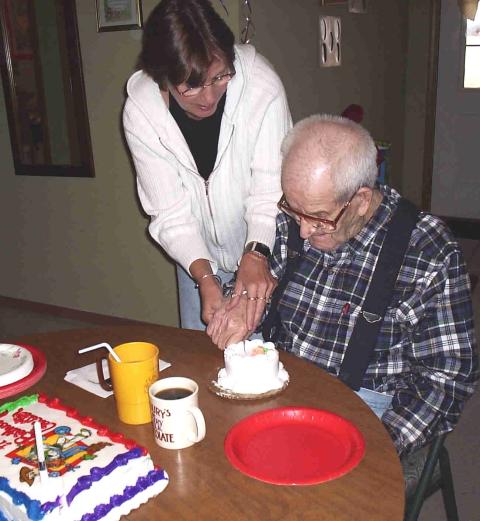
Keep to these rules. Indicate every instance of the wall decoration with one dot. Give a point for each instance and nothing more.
(118, 15)
(40, 67)
(330, 29)
(357, 6)
(248, 32)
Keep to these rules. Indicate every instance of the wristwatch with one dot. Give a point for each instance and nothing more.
(258, 248)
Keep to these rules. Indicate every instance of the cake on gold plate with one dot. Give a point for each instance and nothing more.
(252, 367)
(93, 473)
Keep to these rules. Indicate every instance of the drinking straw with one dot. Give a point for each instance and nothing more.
(102, 344)
(42, 467)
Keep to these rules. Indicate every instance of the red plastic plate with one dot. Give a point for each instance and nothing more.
(294, 446)
(39, 368)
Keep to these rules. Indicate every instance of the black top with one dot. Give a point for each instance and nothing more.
(201, 135)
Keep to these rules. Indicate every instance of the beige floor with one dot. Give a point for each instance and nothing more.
(463, 444)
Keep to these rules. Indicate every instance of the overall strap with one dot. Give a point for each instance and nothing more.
(365, 332)
(271, 324)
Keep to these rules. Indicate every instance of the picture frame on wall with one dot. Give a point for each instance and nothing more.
(118, 15)
(357, 6)
(354, 6)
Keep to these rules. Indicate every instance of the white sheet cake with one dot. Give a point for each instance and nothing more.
(93, 474)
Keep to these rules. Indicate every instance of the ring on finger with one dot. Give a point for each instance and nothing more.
(252, 298)
(261, 298)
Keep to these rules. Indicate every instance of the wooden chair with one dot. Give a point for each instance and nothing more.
(426, 471)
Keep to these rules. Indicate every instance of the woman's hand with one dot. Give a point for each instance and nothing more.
(211, 297)
(209, 287)
(255, 281)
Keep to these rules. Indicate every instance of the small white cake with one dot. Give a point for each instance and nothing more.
(252, 367)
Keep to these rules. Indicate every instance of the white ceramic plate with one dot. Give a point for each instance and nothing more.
(16, 363)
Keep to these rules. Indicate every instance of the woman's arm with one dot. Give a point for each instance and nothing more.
(161, 193)
(254, 275)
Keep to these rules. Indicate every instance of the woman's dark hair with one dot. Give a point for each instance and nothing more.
(181, 38)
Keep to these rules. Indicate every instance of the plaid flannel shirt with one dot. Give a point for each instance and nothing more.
(425, 354)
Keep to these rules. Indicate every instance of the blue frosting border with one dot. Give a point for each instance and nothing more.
(32, 506)
(142, 484)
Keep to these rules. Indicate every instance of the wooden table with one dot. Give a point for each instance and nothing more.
(203, 485)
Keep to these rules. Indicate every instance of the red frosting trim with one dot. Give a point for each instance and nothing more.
(88, 421)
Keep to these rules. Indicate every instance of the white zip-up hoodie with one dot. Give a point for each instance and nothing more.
(190, 218)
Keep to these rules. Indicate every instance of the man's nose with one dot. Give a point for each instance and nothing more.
(306, 229)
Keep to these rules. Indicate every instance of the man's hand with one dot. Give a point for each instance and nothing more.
(256, 283)
(228, 325)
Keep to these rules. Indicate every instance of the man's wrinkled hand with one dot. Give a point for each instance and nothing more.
(228, 324)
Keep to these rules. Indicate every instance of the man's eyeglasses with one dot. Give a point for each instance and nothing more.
(220, 80)
(316, 222)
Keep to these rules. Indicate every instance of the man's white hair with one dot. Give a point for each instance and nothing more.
(343, 146)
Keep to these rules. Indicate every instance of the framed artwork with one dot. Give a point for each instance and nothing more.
(357, 6)
(354, 6)
(43, 88)
(118, 15)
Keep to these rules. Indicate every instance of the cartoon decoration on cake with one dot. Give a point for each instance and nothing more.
(63, 452)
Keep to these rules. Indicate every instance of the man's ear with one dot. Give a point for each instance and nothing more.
(364, 197)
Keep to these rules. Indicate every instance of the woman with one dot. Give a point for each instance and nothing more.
(204, 120)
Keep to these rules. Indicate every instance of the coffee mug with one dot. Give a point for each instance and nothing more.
(177, 420)
(130, 379)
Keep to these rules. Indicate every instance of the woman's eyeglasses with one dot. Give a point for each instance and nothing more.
(316, 222)
(220, 80)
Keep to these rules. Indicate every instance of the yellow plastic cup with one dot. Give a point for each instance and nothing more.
(131, 379)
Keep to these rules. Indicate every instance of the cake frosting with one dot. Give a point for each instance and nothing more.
(252, 367)
(93, 474)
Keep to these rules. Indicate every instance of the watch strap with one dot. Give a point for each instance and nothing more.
(258, 248)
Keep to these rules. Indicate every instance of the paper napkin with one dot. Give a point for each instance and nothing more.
(86, 377)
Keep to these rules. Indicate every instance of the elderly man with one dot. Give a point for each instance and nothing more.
(423, 366)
